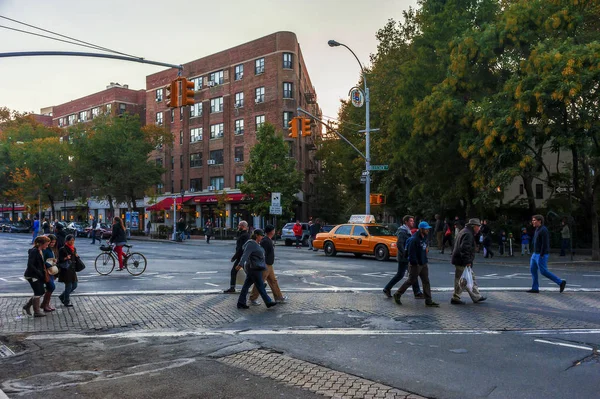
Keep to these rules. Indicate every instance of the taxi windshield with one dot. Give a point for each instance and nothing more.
(379, 231)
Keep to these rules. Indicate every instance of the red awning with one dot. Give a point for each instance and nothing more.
(212, 199)
(9, 209)
(167, 204)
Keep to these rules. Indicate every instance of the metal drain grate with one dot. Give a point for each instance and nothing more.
(5, 351)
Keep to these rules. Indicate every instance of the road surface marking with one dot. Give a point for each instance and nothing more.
(201, 278)
(543, 341)
(211, 284)
(206, 272)
(591, 275)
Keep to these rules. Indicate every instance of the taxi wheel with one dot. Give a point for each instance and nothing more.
(381, 252)
(329, 249)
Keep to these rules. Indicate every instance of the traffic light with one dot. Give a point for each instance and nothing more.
(293, 127)
(377, 199)
(187, 92)
(306, 127)
(373, 199)
(172, 94)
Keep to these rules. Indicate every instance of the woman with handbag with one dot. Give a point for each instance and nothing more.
(36, 276)
(50, 259)
(67, 259)
(119, 238)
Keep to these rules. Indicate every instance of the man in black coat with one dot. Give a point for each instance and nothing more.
(242, 237)
(463, 255)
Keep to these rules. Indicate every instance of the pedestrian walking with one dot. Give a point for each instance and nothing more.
(268, 275)
(148, 227)
(539, 259)
(242, 237)
(502, 242)
(180, 230)
(59, 232)
(315, 229)
(208, 231)
(447, 236)
(463, 256)
(438, 231)
(119, 238)
(417, 258)
(565, 235)
(525, 242)
(36, 275)
(46, 226)
(403, 235)
(50, 260)
(35, 229)
(253, 261)
(67, 259)
(93, 230)
(298, 234)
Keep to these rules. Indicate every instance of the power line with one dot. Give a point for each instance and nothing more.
(87, 44)
(47, 37)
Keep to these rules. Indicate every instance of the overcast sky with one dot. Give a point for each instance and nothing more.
(177, 32)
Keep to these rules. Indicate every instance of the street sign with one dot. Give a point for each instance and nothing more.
(356, 97)
(365, 173)
(379, 167)
(363, 179)
(276, 210)
(276, 200)
(564, 189)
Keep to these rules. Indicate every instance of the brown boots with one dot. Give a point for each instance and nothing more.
(36, 307)
(27, 307)
(46, 303)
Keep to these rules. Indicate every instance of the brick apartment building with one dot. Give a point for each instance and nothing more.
(236, 90)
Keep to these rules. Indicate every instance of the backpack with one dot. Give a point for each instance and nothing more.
(407, 244)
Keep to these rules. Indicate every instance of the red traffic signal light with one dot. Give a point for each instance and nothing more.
(293, 127)
(172, 94)
(306, 127)
(187, 92)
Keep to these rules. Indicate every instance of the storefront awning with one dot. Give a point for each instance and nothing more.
(212, 199)
(167, 203)
(10, 209)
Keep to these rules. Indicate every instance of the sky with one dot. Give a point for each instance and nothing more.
(177, 32)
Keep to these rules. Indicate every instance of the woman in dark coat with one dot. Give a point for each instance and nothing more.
(36, 275)
(67, 256)
(60, 235)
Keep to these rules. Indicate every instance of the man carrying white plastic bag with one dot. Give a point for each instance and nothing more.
(463, 255)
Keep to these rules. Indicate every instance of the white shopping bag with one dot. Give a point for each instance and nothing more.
(466, 280)
(241, 277)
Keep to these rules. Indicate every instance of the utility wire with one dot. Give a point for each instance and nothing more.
(48, 37)
(85, 44)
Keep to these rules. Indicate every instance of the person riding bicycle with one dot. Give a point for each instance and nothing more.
(119, 238)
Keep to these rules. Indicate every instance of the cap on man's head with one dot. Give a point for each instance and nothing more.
(259, 232)
(474, 222)
(424, 225)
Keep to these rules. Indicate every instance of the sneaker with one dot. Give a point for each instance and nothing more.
(282, 300)
(563, 285)
(229, 291)
(432, 304)
(271, 304)
(68, 305)
(532, 291)
(255, 302)
(387, 293)
(397, 298)
(457, 302)
(419, 295)
(242, 306)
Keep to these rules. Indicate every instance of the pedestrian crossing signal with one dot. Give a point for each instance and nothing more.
(377, 199)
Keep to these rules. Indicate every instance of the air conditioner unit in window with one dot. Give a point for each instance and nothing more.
(220, 134)
(211, 188)
(258, 101)
(239, 131)
(211, 83)
(211, 162)
(241, 75)
(238, 105)
(237, 160)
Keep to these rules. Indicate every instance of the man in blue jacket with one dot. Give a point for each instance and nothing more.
(417, 258)
(539, 258)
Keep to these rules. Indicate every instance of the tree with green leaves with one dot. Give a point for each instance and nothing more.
(270, 170)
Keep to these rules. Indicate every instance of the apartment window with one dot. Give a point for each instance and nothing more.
(108, 108)
(259, 95)
(287, 60)
(122, 108)
(239, 72)
(239, 179)
(288, 90)
(172, 115)
(239, 154)
(259, 66)
(195, 184)
(217, 156)
(159, 95)
(196, 110)
(181, 137)
(196, 160)
(217, 182)
(216, 131)
(239, 100)
(159, 188)
(197, 83)
(71, 119)
(159, 118)
(95, 112)
(216, 77)
(239, 126)
(181, 162)
(195, 135)
(83, 116)
(216, 105)
(521, 189)
(180, 113)
(259, 120)
(287, 117)
(61, 122)
(539, 191)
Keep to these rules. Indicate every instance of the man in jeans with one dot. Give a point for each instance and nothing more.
(403, 235)
(298, 234)
(417, 257)
(268, 275)
(539, 259)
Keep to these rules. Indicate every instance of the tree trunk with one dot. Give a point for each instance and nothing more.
(110, 208)
(528, 186)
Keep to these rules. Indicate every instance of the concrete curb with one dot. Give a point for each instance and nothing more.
(3, 395)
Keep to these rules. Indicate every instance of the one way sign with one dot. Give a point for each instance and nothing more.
(276, 199)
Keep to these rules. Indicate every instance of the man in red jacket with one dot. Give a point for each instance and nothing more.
(298, 234)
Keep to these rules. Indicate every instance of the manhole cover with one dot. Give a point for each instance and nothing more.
(5, 351)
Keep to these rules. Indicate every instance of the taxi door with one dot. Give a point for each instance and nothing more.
(359, 241)
(341, 237)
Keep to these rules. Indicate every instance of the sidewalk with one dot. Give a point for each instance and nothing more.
(554, 259)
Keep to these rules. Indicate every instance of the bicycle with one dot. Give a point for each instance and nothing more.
(134, 262)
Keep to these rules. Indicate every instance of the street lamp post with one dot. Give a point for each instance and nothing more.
(64, 205)
(333, 43)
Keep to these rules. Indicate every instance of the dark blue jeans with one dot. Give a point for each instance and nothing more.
(69, 288)
(254, 277)
(402, 268)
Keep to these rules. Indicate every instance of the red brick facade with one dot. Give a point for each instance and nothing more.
(279, 69)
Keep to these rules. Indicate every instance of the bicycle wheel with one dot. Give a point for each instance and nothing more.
(105, 263)
(135, 263)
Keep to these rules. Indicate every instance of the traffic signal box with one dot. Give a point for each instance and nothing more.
(299, 125)
(377, 199)
(187, 92)
(306, 127)
(293, 127)
(172, 94)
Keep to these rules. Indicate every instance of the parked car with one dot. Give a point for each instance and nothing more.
(18, 227)
(105, 228)
(287, 234)
(4, 223)
(78, 229)
(359, 239)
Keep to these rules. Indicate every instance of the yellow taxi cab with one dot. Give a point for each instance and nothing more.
(360, 236)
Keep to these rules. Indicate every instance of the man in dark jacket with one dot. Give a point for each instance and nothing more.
(268, 275)
(403, 235)
(417, 257)
(242, 237)
(462, 257)
(539, 258)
